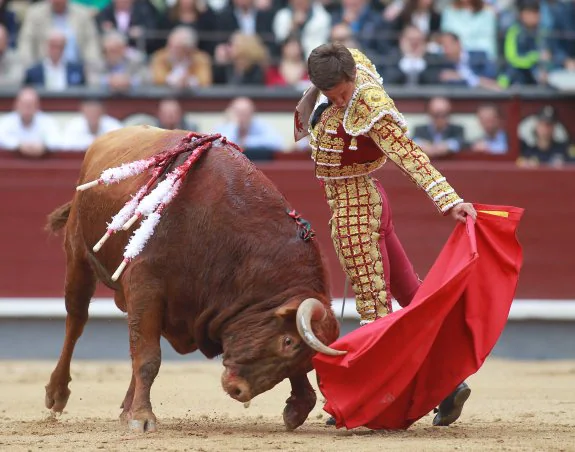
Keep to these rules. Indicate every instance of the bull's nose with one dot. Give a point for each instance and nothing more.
(237, 388)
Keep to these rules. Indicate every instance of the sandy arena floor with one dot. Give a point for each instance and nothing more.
(513, 406)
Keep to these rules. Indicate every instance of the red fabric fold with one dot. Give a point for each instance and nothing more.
(400, 367)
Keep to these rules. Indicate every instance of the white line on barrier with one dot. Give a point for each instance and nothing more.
(53, 308)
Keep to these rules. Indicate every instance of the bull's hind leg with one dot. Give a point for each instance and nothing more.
(145, 327)
(80, 286)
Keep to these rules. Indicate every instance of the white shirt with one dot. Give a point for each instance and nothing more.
(55, 75)
(421, 21)
(79, 137)
(246, 21)
(123, 21)
(42, 129)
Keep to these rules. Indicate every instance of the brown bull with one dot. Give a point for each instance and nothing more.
(224, 273)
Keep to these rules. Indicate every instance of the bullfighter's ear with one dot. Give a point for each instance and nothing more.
(289, 308)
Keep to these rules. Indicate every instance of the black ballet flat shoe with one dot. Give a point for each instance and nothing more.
(450, 409)
(330, 421)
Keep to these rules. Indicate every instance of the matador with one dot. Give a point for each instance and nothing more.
(354, 127)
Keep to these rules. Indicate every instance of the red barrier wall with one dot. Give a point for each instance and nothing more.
(32, 263)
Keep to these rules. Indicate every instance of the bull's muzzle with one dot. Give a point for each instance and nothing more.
(236, 386)
(311, 310)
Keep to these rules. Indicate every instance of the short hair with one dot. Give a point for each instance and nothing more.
(329, 65)
(529, 5)
(490, 106)
(452, 35)
(56, 33)
(114, 36)
(189, 35)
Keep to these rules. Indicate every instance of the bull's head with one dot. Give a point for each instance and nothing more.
(264, 349)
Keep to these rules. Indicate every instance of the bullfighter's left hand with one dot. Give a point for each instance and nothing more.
(462, 210)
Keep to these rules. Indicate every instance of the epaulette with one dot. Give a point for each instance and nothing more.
(369, 104)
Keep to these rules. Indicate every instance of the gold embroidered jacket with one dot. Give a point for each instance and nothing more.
(356, 140)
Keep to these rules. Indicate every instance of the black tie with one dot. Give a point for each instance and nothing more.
(318, 111)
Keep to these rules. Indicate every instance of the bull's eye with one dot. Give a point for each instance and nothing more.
(288, 341)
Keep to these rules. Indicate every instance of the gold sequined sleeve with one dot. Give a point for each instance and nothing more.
(393, 141)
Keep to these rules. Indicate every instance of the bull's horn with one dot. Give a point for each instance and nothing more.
(312, 309)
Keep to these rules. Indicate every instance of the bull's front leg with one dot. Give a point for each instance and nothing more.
(300, 403)
(144, 323)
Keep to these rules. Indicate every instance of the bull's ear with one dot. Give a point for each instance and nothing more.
(289, 308)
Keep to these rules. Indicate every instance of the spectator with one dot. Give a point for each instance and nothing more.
(242, 62)
(292, 70)
(92, 123)
(525, 58)
(171, 117)
(410, 64)
(494, 139)
(54, 73)
(558, 22)
(439, 138)
(545, 149)
(465, 68)
(256, 137)
(132, 18)
(180, 64)
(122, 67)
(94, 6)
(198, 15)
(474, 23)
(368, 27)
(555, 24)
(8, 21)
(342, 33)
(420, 14)
(242, 16)
(306, 20)
(27, 129)
(73, 20)
(11, 68)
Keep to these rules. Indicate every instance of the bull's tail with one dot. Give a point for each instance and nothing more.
(58, 218)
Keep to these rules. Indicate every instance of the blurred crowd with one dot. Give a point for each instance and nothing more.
(33, 132)
(117, 45)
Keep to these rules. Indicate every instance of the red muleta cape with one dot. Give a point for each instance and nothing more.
(400, 367)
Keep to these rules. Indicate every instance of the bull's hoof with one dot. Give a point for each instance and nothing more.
(142, 426)
(56, 397)
(297, 410)
(139, 423)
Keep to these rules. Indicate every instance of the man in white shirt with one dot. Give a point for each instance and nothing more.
(92, 122)
(54, 64)
(54, 72)
(258, 139)
(27, 129)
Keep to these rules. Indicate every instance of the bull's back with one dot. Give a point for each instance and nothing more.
(92, 209)
(126, 145)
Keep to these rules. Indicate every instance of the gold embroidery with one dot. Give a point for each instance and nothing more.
(393, 141)
(353, 144)
(332, 123)
(369, 106)
(356, 207)
(360, 58)
(355, 169)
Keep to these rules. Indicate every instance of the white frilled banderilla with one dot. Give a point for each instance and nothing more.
(147, 204)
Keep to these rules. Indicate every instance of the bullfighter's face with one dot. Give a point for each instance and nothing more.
(340, 95)
(262, 350)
